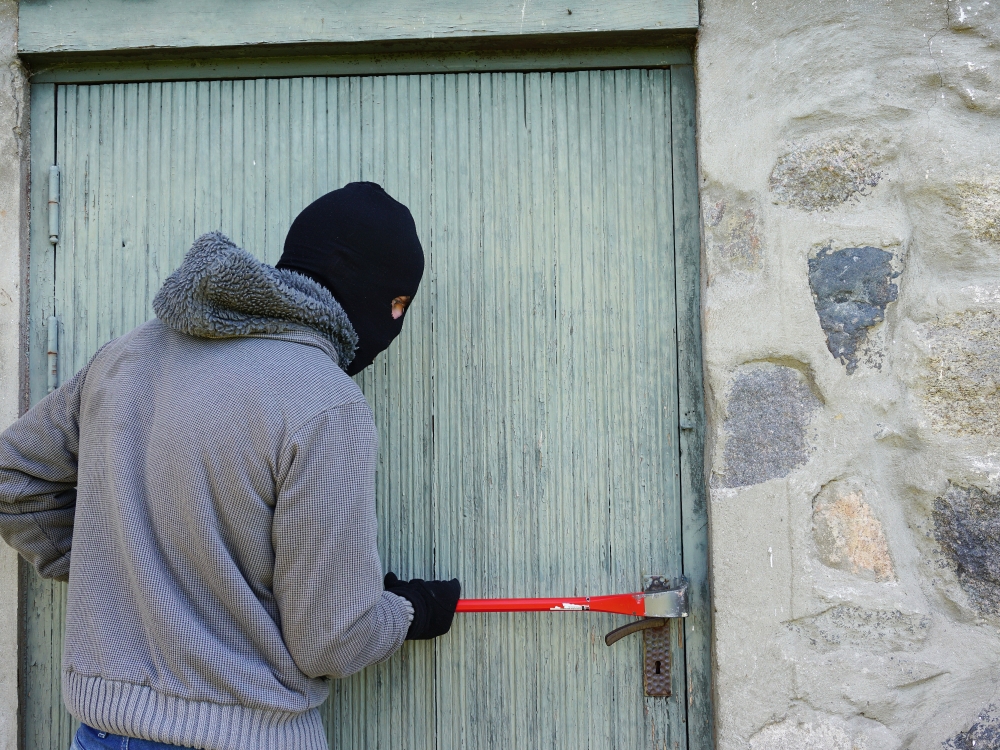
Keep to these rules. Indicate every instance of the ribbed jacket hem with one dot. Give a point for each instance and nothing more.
(141, 712)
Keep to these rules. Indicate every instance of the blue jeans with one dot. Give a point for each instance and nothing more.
(88, 738)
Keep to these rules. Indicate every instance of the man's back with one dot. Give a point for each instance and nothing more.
(223, 537)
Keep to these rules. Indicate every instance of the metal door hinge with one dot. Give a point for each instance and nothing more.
(54, 204)
(53, 363)
(664, 600)
(53, 353)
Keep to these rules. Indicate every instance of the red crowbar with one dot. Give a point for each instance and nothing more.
(664, 603)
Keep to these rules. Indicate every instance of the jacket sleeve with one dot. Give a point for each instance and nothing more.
(335, 616)
(38, 467)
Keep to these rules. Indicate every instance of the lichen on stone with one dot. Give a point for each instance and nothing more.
(851, 289)
(967, 526)
(984, 734)
(823, 175)
(767, 415)
(732, 228)
(981, 208)
(848, 535)
(961, 384)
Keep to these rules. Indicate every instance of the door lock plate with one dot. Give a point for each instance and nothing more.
(672, 598)
(656, 660)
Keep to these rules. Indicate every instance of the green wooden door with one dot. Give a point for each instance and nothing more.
(529, 413)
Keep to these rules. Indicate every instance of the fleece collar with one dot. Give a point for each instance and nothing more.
(221, 291)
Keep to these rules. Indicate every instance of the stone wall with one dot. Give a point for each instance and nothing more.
(13, 244)
(850, 176)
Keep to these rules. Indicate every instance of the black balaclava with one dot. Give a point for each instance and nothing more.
(362, 245)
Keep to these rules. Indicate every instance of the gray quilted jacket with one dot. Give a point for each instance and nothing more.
(206, 483)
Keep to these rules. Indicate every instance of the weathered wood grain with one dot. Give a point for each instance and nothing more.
(48, 26)
(44, 721)
(399, 63)
(687, 244)
(42, 255)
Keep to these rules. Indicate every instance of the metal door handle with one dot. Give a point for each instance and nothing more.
(634, 627)
(663, 600)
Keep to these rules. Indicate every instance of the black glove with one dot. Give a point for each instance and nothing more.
(433, 603)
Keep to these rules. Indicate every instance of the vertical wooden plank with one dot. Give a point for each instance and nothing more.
(171, 170)
(413, 553)
(71, 140)
(672, 530)
(309, 179)
(189, 139)
(255, 161)
(499, 512)
(561, 346)
(340, 89)
(161, 180)
(363, 147)
(395, 469)
(38, 691)
(139, 209)
(202, 124)
(129, 235)
(243, 157)
(113, 129)
(385, 385)
(375, 121)
(156, 190)
(446, 722)
(50, 600)
(319, 135)
(174, 168)
(232, 154)
(549, 695)
(279, 153)
(422, 554)
(91, 313)
(227, 186)
(217, 118)
(41, 268)
(694, 512)
(297, 166)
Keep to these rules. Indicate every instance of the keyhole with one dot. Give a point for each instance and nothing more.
(657, 667)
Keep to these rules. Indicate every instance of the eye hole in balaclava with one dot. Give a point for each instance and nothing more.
(362, 245)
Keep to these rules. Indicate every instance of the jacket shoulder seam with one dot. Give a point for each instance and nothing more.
(326, 410)
(290, 435)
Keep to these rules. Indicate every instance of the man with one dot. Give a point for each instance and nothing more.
(206, 485)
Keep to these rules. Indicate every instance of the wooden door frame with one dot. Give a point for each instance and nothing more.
(604, 51)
